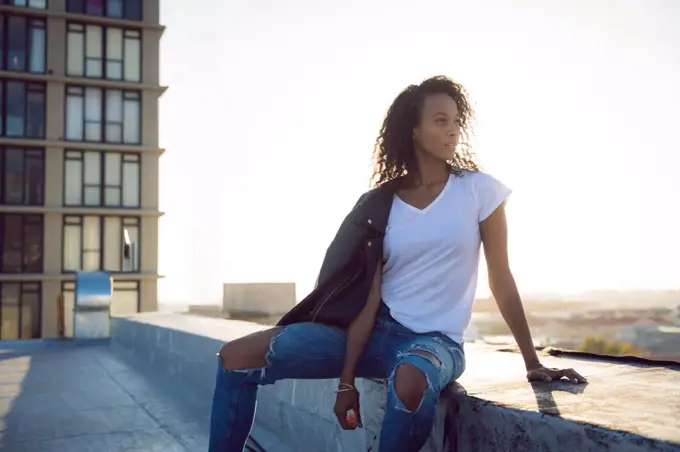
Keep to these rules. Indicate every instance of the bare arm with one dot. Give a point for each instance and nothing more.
(494, 232)
(360, 329)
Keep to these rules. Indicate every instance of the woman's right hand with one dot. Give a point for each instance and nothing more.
(347, 407)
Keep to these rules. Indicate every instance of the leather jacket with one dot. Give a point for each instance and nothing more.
(350, 262)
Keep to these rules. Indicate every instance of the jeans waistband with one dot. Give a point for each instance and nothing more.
(385, 318)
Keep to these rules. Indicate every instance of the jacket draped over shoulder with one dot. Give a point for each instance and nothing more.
(348, 266)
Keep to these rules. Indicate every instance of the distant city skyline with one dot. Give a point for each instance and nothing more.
(667, 297)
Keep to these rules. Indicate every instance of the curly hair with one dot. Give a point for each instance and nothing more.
(394, 153)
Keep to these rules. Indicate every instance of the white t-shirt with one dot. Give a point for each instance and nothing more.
(432, 255)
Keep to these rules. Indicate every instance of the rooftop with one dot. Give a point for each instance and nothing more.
(148, 389)
(61, 396)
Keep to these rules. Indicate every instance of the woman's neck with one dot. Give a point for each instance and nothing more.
(431, 172)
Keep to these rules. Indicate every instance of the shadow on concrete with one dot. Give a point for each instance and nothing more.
(453, 389)
(630, 360)
(25, 374)
(80, 397)
(10, 354)
(544, 394)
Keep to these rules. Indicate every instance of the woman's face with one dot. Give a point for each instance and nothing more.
(438, 131)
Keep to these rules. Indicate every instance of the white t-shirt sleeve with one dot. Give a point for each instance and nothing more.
(491, 193)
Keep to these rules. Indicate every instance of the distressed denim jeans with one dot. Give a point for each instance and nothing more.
(315, 351)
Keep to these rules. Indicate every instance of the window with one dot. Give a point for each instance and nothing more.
(104, 52)
(20, 310)
(110, 179)
(125, 298)
(22, 176)
(22, 44)
(122, 9)
(96, 243)
(23, 109)
(36, 4)
(22, 243)
(103, 115)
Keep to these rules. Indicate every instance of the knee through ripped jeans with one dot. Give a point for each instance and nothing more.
(315, 351)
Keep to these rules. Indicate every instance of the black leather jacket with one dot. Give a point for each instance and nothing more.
(349, 264)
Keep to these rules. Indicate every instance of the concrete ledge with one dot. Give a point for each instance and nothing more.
(624, 408)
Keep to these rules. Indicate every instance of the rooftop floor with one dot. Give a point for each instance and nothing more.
(60, 396)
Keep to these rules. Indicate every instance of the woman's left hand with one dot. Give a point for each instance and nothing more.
(542, 373)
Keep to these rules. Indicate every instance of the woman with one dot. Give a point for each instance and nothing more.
(396, 288)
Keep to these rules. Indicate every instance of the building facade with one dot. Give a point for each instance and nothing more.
(79, 90)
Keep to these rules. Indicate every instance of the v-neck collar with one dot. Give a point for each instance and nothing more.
(431, 204)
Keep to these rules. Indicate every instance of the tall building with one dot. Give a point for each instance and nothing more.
(79, 90)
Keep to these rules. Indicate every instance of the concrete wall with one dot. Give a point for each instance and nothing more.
(297, 415)
(298, 412)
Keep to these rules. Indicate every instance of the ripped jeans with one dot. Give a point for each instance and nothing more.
(315, 351)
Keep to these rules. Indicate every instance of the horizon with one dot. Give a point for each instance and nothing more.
(527, 297)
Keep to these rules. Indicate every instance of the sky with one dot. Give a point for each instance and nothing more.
(273, 109)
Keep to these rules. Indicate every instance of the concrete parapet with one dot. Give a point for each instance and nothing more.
(627, 408)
